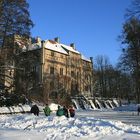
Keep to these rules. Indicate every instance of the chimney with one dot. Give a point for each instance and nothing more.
(42, 54)
(91, 59)
(42, 43)
(73, 45)
(57, 39)
(38, 40)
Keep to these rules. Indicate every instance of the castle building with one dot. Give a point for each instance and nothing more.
(49, 70)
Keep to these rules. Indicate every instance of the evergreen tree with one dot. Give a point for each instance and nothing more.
(134, 9)
(14, 19)
(130, 58)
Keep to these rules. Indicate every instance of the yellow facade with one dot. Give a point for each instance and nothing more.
(47, 69)
(69, 72)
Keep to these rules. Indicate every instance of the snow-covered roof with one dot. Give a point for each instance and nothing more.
(52, 45)
(84, 58)
(58, 47)
(69, 48)
(34, 46)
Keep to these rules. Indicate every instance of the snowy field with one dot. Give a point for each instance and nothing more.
(127, 117)
(86, 125)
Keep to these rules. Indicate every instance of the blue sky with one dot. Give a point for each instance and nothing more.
(93, 25)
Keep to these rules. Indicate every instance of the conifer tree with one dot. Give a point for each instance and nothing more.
(133, 10)
(130, 58)
(14, 19)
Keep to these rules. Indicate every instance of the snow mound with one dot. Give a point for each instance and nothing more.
(53, 106)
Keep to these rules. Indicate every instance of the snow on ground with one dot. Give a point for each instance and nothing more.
(24, 108)
(85, 126)
(30, 127)
(13, 109)
(130, 107)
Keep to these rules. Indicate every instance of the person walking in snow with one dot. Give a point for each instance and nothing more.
(72, 111)
(138, 109)
(60, 111)
(35, 110)
(47, 110)
(66, 111)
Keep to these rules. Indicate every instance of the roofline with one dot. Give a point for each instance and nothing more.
(86, 60)
(56, 51)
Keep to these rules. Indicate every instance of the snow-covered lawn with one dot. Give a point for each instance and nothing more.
(30, 127)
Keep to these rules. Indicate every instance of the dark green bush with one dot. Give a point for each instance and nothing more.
(12, 99)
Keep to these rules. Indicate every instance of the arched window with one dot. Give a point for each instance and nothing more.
(51, 70)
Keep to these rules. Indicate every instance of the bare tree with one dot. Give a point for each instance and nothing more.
(101, 65)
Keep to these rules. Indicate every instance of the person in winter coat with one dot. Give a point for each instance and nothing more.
(60, 111)
(71, 111)
(138, 109)
(35, 110)
(66, 112)
(47, 110)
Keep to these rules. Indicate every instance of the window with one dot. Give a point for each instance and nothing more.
(61, 71)
(86, 88)
(51, 70)
(72, 73)
(77, 74)
(52, 53)
(34, 69)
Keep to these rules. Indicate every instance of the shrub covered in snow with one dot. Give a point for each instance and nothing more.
(11, 99)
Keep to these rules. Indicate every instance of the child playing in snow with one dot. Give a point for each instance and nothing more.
(138, 109)
(72, 111)
(47, 110)
(35, 110)
(60, 111)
